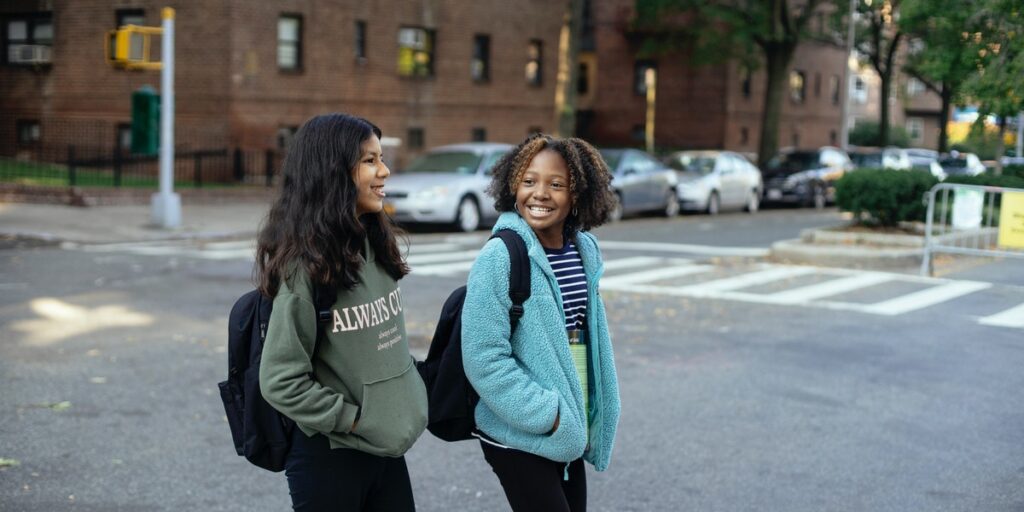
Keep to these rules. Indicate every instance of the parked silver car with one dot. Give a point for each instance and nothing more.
(885, 158)
(446, 185)
(712, 180)
(641, 183)
(962, 164)
(926, 160)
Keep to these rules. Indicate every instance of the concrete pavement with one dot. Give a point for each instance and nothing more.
(127, 223)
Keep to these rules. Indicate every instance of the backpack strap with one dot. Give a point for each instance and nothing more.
(323, 298)
(519, 276)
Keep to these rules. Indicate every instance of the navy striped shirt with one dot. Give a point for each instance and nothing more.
(572, 282)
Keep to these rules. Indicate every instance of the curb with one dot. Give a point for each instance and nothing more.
(848, 256)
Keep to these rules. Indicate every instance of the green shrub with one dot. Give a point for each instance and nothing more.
(990, 180)
(866, 133)
(884, 197)
(1014, 170)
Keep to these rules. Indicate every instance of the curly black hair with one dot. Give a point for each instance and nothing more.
(589, 179)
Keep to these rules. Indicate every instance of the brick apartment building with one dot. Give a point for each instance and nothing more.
(429, 72)
(700, 107)
(249, 72)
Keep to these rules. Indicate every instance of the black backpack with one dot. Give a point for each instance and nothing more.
(451, 399)
(260, 433)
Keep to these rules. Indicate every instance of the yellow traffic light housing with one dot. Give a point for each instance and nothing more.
(129, 47)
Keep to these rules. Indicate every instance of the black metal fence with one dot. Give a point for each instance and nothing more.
(88, 166)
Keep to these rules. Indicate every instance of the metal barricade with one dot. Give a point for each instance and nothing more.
(981, 227)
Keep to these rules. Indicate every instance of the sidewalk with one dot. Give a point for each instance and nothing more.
(127, 223)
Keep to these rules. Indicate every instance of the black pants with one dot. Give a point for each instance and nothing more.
(321, 479)
(533, 483)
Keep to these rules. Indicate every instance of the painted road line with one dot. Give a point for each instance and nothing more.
(926, 297)
(443, 269)
(829, 288)
(417, 259)
(1013, 317)
(636, 261)
(749, 279)
(711, 250)
(626, 280)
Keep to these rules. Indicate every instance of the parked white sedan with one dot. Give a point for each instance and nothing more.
(712, 180)
(446, 185)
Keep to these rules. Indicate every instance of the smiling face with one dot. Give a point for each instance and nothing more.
(543, 197)
(369, 176)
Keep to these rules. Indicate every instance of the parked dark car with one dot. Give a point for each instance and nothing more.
(804, 177)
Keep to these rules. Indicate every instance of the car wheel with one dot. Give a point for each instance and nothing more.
(714, 204)
(671, 204)
(468, 217)
(753, 201)
(615, 214)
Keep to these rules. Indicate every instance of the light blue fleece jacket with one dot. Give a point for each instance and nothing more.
(526, 379)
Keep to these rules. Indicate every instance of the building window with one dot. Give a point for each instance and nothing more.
(479, 134)
(796, 140)
(415, 51)
(745, 84)
(860, 90)
(28, 131)
(915, 129)
(360, 42)
(817, 85)
(797, 86)
(480, 66)
(744, 135)
(639, 76)
(833, 87)
(583, 79)
(129, 17)
(535, 63)
(638, 133)
(415, 137)
(914, 87)
(289, 42)
(28, 39)
(833, 139)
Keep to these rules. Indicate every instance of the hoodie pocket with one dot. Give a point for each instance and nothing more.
(394, 412)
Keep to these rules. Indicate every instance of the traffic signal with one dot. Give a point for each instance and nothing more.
(130, 47)
(145, 121)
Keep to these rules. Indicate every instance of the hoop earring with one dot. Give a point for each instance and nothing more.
(574, 214)
(515, 206)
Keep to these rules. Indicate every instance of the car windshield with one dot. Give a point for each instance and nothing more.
(691, 163)
(611, 157)
(955, 163)
(867, 159)
(795, 161)
(458, 162)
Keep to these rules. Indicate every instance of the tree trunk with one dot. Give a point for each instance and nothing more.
(947, 97)
(884, 136)
(1000, 145)
(777, 58)
(568, 69)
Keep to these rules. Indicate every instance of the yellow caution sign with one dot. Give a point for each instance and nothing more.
(1011, 220)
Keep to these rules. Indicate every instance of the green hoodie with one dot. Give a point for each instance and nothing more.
(361, 369)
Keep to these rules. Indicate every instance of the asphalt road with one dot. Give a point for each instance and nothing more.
(109, 358)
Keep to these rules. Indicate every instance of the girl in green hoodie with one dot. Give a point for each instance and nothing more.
(354, 394)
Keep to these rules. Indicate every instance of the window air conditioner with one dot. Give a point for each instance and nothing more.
(28, 54)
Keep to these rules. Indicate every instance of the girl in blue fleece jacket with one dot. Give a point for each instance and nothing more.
(549, 395)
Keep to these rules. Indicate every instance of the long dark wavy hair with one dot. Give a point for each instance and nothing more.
(589, 179)
(313, 224)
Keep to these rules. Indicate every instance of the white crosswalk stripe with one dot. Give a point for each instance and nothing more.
(667, 276)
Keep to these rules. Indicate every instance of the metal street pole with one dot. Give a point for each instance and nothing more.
(844, 130)
(650, 82)
(1020, 136)
(166, 205)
